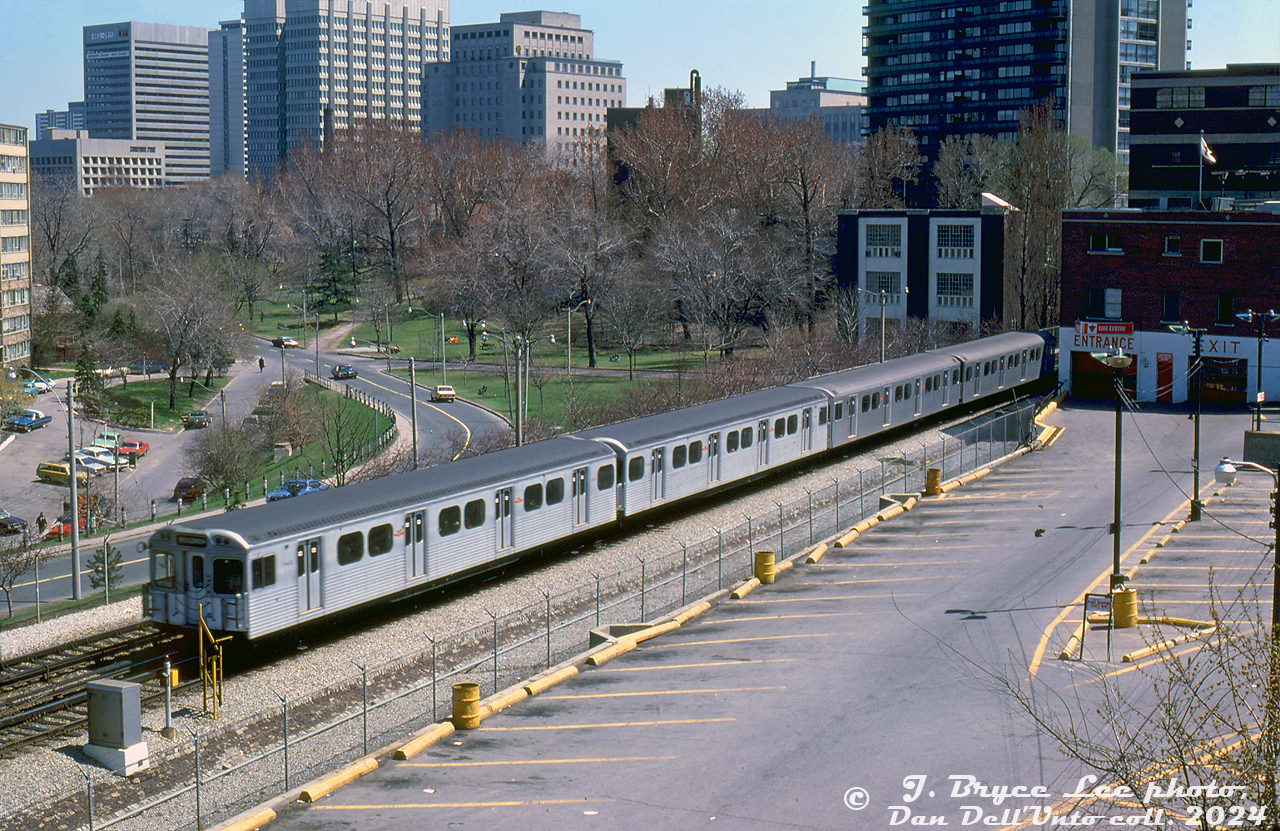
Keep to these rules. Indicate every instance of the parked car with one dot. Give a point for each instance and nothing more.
(59, 473)
(297, 487)
(61, 528)
(104, 455)
(108, 438)
(88, 462)
(285, 343)
(36, 386)
(197, 418)
(342, 371)
(443, 392)
(188, 488)
(10, 525)
(135, 449)
(26, 421)
(147, 367)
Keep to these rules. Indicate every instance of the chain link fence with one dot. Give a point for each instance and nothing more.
(211, 778)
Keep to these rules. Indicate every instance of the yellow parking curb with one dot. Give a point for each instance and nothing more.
(501, 701)
(745, 589)
(692, 612)
(328, 784)
(541, 683)
(817, 554)
(425, 739)
(250, 822)
(619, 647)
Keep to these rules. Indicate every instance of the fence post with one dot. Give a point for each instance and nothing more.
(862, 502)
(153, 510)
(285, 704)
(810, 495)
(684, 572)
(719, 559)
(642, 581)
(751, 543)
(434, 702)
(782, 522)
(364, 682)
(837, 484)
(547, 595)
(199, 821)
(882, 477)
(495, 650)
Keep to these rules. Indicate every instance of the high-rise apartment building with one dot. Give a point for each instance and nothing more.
(530, 77)
(15, 248)
(72, 118)
(313, 66)
(150, 82)
(941, 68)
(226, 99)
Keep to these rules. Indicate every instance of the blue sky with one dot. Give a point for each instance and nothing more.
(748, 45)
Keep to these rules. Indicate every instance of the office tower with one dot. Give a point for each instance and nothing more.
(313, 66)
(226, 99)
(942, 68)
(840, 103)
(97, 163)
(150, 82)
(530, 77)
(15, 248)
(72, 118)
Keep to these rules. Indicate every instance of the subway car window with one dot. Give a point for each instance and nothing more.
(228, 576)
(473, 514)
(635, 468)
(695, 452)
(747, 434)
(533, 497)
(380, 537)
(731, 442)
(450, 520)
(555, 491)
(679, 455)
(793, 424)
(350, 548)
(264, 571)
(604, 477)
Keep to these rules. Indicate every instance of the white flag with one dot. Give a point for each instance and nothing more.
(1206, 152)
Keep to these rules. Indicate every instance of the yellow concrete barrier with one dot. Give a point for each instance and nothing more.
(781, 567)
(425, 739)
(653, 631)
(745, 589)
(692, 612)
(250, 822)
(816, 554)
(764, 569)
(329, 784)
(619, 647)
(542, 682)
(847, 539)
(910, 503)
(466, 705)
(502, 701)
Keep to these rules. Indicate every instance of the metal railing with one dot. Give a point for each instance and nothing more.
(241, 765)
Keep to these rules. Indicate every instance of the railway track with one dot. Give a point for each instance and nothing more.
(43, 695)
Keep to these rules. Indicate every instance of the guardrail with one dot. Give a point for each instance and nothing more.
(304, 740)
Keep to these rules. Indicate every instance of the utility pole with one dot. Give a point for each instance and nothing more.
(413, 410)
(75, 503)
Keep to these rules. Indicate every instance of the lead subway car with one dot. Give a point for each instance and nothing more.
(273, 567)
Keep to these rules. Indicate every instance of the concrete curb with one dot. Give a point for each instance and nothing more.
(326, 785)
(249, 822)
(422, 741)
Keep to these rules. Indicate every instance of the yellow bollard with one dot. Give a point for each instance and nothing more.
(932, 482)
(764, 567)
(466, 705)
(1124, 609)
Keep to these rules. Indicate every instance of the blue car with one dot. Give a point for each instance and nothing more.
(297, 487)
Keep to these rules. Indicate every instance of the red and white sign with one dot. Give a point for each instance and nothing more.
(1088, 327)
(1097, 604)
(1104, 337)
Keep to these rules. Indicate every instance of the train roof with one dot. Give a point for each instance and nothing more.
(996, 345)
(400, 491)
(654, 429)
(874, 376)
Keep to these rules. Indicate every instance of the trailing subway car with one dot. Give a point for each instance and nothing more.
(270, 568)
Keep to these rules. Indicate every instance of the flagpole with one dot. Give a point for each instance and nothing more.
(1200, 183)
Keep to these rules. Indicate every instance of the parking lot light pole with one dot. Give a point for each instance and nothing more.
(1259, 318)
(1118, 363)
(1185, 328)
(75, 502)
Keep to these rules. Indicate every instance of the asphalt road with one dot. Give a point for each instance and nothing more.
(23, 495)
(854, 693)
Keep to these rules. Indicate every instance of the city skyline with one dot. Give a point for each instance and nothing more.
(41, 56)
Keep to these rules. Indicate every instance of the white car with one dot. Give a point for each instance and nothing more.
(103, 456)
(87, 463)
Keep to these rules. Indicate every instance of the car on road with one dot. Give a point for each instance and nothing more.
(26, 421)
(104, 455)
(10, 525)
(297, 487)
(197, 418)
(134, 449)
(443, 392)
(87, 461)
(285, 343)
(147, 367)
(342, 371)
(36, 386)
(188, 489)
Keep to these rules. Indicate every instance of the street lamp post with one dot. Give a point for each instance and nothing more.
(1118, 362)
(882, 295)
(1259, 318)
(444, 376)
(522, 347)
(1185, 328)
(568, 330)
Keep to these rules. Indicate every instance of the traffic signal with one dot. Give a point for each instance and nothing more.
(1275, 502)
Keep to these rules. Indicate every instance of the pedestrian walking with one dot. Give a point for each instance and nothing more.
(42, 523)
(262, 364)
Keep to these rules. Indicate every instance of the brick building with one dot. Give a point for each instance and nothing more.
(1128, 275)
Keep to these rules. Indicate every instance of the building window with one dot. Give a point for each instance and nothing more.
(1210, 250)
(1173, 246)
(1103, 304)
(1226, 309)
(955, 289)
(955, 241)
(1265, 96)
(1105, 242)
(889, 282)
(884, 241)
(1169, 307)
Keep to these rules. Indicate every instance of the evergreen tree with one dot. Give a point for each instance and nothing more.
(91, 392)
(105, 566)
(334, 285)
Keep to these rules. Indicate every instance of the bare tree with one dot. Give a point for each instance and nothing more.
(889, 156)
(62, 225)
(16, 559)
(630, 310)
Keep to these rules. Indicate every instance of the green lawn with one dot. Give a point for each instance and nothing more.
(131, 404)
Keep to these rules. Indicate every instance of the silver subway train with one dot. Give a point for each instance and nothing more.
(268, 569)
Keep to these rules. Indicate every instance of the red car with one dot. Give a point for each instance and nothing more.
(188, 489)
(135, 449)
(61, 528)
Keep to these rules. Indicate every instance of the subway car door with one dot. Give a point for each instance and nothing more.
(503, 519)
(917, 396)
(309, 575)
(659, 474)
(580, 501)
(196, 582)
(415, 544)
(888, 397)
(713, 458)
(762, 443)
(806, 430)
